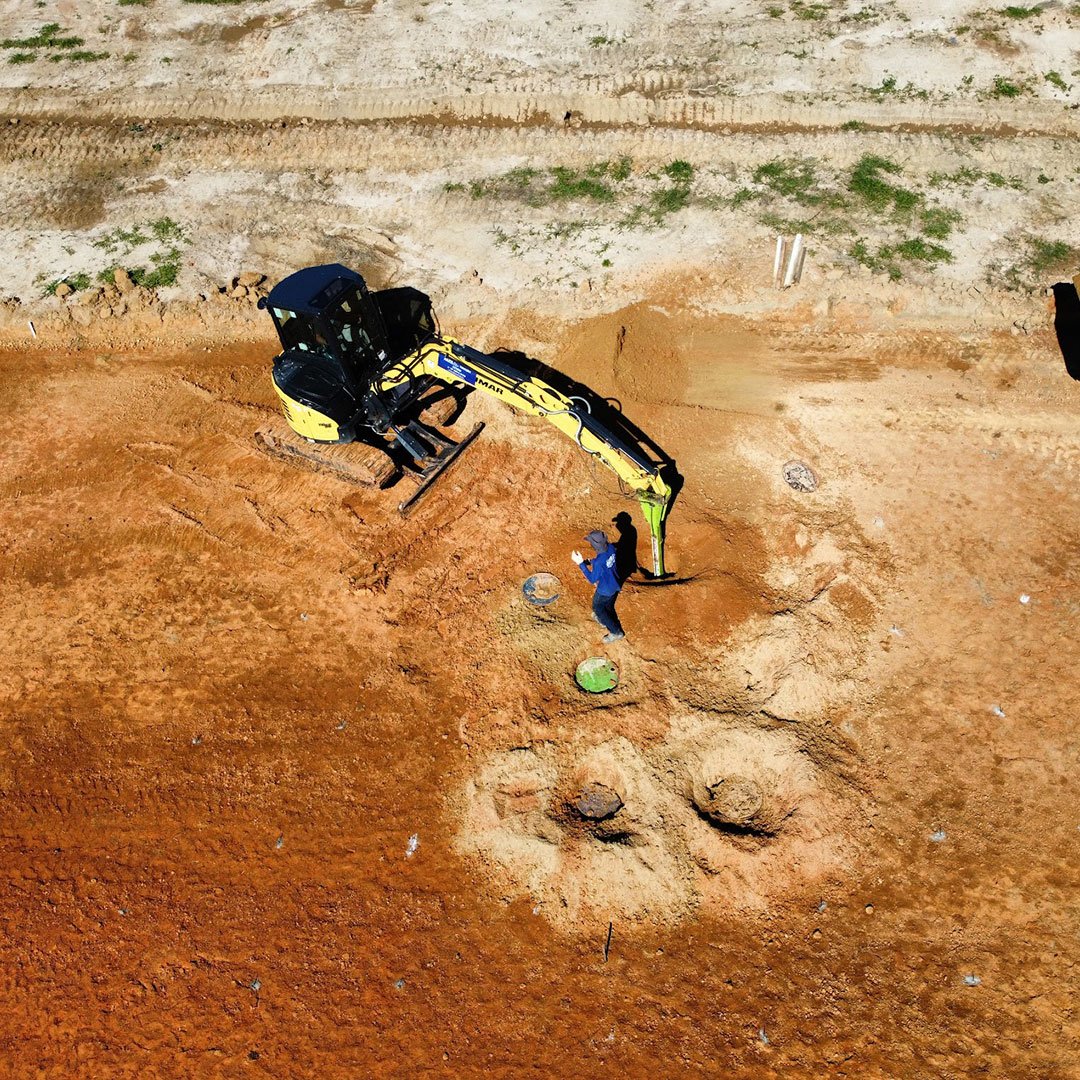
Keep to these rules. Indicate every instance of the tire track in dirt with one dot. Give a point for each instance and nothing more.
(52, 148)
(604, 104)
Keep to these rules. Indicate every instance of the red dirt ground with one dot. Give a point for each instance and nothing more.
(232, 692)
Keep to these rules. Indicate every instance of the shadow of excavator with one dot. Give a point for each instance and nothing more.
(1067, 325)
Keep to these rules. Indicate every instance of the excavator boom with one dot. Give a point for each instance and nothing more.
(456, 364)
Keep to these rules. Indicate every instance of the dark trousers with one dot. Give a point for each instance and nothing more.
(604, 609)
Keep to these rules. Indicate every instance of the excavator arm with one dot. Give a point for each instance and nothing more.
(459, 365)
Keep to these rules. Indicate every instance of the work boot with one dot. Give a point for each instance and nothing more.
(607, 639)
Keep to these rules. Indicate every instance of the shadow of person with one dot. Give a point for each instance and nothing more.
(1067, 325)
(625, 546)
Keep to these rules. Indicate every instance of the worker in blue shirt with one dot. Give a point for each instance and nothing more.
(601, 572)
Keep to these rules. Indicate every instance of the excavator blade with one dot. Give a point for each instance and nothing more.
(434, 465)
(356, 463)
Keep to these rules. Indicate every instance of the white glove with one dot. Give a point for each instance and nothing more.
(577, 557)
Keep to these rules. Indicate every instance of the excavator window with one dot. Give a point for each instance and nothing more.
(295, 332)
(354, 338)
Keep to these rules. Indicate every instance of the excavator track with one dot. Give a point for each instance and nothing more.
(356, 463)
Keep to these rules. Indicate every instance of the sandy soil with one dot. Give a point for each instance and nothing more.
(291, 786)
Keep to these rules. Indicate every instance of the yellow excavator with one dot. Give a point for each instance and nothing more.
(365, 378)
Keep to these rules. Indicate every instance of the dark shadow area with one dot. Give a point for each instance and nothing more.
(626, 561)
(1067, 325)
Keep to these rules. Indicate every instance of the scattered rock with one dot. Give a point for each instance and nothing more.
(64, 290)
(239, 293)
(250, 279)
(597, 802)
(799, 476)
(122, 281)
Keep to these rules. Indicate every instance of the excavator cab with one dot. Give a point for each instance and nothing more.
(333, 345)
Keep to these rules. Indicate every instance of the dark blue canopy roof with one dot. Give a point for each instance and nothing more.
(307, 291)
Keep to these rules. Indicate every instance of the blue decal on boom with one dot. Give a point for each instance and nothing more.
(459, 371)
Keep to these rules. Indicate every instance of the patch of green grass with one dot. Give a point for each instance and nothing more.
(165, 273)
(1005, 88)
(918, 250)
(809, 12)
(48, 37)
(879, 262)
(1014, 12)
(621, 170)
(79, 56)
(75, 282)
(868, 183)
(853, 125)
(1054, 79)
(862, 15)
(1047, 255)
(133, 3)
(679, 172)
(600, 41)
(890, 88)
(22, 58)
(938, 222)
(453, 187)
(129, 238)
(668, 201)
(215, 2)
(568, 185)
(167, 229)
(792, 178)
(774, 12)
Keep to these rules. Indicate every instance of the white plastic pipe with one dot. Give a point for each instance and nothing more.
(793, 262)
(778, 260)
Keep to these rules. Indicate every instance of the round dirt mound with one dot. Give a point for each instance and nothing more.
(716, 815)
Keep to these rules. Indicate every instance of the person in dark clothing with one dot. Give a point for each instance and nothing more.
(601, 572)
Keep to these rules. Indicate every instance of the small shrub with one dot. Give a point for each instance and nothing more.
(22, 58)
